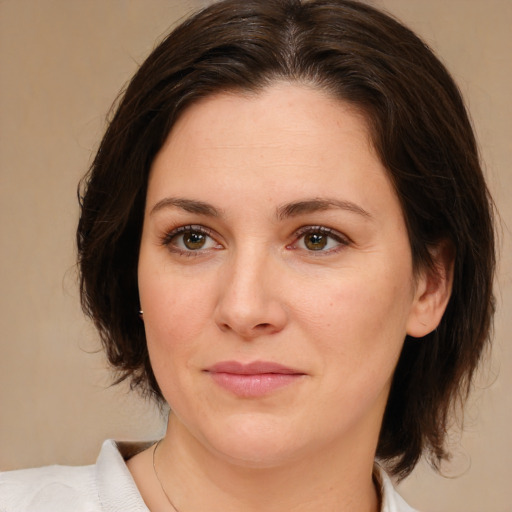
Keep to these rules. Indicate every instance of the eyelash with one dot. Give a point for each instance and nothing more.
(341, 239)
(169, 236)
(338, 237)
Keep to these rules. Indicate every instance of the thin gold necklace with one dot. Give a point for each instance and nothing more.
(159, 481)
(375, 477)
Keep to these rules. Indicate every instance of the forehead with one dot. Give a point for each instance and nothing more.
(294, 138)
(294, 103)
(285, 115)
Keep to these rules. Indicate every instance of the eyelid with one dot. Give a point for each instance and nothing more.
(169, 235)
(339, 237)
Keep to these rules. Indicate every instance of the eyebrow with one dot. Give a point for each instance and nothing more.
(293, 209)
(189, 205)
(316, 204)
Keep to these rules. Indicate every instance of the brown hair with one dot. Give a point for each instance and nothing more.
(420, 130)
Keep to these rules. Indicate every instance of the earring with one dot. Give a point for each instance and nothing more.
(141, 314)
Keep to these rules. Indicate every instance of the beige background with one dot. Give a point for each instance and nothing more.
(61, 64)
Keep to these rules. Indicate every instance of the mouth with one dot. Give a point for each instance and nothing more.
(255, 379)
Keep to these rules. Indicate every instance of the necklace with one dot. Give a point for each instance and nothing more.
(159, 481)
(375, 477)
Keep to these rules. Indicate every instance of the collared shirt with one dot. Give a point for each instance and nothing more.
(106, 486)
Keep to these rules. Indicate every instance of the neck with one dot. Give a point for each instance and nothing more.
(335, 478)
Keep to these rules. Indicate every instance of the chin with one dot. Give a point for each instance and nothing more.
(257, 454)
(256, 444)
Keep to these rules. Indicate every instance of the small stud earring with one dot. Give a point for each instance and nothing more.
(141, 314)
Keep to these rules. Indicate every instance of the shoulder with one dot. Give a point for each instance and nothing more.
(106, 485)
(48, 488)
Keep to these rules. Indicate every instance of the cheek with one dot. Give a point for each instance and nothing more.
(176, 308)
(360, 321)
(352, 304)
(173, 323)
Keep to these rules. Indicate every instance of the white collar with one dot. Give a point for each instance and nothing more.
(113, 474)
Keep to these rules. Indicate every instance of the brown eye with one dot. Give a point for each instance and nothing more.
(189, 239)
(320, 239)
(193, 240)
(315, 241)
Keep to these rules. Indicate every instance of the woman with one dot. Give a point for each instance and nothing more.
(286, 236)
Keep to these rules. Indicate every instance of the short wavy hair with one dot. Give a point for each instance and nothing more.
(419, 128)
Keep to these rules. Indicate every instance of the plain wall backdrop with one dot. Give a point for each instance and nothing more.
(62, 64)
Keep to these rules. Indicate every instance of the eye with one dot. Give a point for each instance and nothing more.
(188, 239)
(319, 239)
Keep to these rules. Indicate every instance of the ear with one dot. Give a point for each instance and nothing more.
(433, 291)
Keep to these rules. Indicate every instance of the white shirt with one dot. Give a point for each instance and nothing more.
(106, 486)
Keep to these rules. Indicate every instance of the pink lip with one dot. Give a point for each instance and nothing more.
(254, 379)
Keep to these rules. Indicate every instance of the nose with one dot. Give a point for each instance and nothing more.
(250, 301)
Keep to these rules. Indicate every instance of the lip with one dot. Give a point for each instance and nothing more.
(255, 379)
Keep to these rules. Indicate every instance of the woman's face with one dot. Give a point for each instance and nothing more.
(275, 276)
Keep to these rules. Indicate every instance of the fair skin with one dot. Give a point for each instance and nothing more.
(273, 236)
